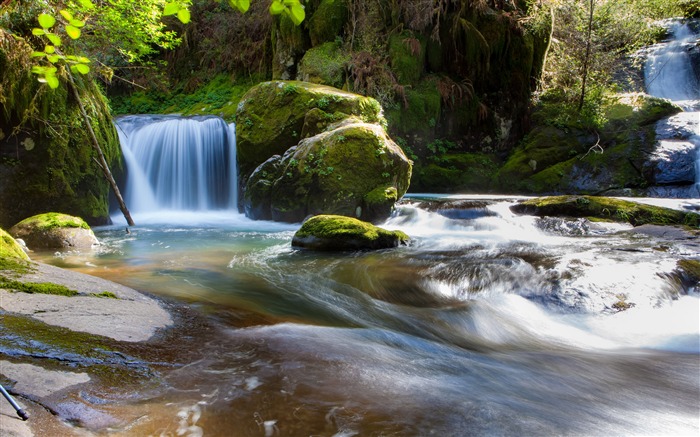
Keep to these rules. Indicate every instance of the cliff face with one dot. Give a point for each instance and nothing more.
(46, 162)
(457, 71)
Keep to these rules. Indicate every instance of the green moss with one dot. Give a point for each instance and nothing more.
(691, 267)
(327, 21)
(53, 220)
(9, 249)
(36, 287)
(420, 114)
(324, 64)
(456, 172)
(334, 232)
(407, 56)
(105, 294)
(607, 209)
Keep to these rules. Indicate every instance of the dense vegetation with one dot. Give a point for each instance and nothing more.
(461, 81)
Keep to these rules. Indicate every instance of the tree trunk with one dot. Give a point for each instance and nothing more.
(101, 161)
(586, 60)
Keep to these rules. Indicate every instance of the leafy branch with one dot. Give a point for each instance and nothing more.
(293, 8)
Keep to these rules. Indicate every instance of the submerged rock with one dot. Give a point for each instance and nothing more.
(54, 230)
(605, 208)
(339, 233)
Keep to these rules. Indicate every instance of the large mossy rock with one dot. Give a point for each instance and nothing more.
(564, 156)
(54, 230)
(605, 208)
(306, 149)
(9, 248)
(46, 161)
(339, 233)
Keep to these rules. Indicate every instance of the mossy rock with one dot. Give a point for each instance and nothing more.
(352, 169)
(54, 230)
(270, 117)
(605, 208)
(324, 64)
(46, 161)
(689, 270)
(327, 21)
(420, 114)
(339, 233)
(9, 248)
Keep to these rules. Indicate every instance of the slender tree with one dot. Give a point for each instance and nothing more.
(587, 57)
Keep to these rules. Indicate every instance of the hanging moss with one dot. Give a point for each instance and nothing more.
(327, 22)
(46, 158)
(407, 54)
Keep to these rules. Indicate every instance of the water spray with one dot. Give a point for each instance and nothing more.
(20, 412)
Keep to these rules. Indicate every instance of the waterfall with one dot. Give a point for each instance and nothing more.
(178, 164)
(669, 74)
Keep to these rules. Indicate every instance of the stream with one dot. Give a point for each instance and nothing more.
(488, 323)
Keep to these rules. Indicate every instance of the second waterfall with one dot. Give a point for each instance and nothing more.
(178, 164)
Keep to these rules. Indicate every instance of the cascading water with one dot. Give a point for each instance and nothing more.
(669, 74)
(178, 164)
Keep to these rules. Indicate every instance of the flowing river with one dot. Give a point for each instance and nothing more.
(489, 323)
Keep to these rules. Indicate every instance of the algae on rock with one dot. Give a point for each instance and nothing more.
(339, 233)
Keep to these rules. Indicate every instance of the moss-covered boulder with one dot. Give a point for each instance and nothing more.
(605, 208)
(353, 169)
(46, 161)
(339, 233)
(327, 22)
(324, 64)
(561, 154)
(9, 248)
(456, 172)
(54, 230)
(271, 117)
(307, 149)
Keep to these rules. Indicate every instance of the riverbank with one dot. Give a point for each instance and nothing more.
(55, 346)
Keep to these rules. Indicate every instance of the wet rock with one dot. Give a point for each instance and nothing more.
(339, 233)
(54, 231)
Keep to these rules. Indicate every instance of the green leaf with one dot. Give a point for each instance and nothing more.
(46, 21)
(72, 31)
(38, 54)
(81, 68)
(49, 49)
(55, 40)
(83, 60)
(171, 8)
(52, 81)
(276, 7)
(66, 14)
(53, 58)
(296, 13)
(87, 4)
(38, 32)
(241, 5)
(183, 15)
(77, 23)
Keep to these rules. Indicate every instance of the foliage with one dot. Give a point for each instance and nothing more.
(36, 287)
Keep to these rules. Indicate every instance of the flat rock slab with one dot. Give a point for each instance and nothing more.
(131, 317)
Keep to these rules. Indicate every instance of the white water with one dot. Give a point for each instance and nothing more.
(669, 74)
(178, 165)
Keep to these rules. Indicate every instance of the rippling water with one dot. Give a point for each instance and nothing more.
(487, 324)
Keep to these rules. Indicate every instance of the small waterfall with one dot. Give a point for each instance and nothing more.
(669, 74)
(178, 164)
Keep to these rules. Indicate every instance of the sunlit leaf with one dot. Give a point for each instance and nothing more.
(183, 15)
(52, 81)
(38, 54)
(171, 8)
(72, 31)
(53, 58)
(77, 23)
(46, 21)
(66, 14)
(38, 32)
(83, 60)
(49, 49)
(243, 5)
(276, 8)
(55, 40)
(81, 68)
(296, 13)
(87, 4)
